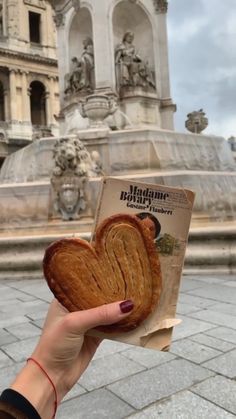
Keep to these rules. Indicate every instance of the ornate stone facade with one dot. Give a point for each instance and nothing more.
(29, 93)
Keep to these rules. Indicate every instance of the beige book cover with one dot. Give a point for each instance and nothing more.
(170, 209)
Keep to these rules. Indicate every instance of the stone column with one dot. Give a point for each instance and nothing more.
(6, 104)
(62, 51)
(167, 107)
(26, 113)
(104, 54)
(51, 99)
(162, 45)
(13, 102)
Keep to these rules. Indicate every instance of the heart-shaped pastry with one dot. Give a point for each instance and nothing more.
(121, 264)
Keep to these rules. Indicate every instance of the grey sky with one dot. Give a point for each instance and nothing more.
(202, 53)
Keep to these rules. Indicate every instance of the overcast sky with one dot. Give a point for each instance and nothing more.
(202, 53)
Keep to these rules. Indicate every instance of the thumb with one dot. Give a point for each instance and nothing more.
(81, 321)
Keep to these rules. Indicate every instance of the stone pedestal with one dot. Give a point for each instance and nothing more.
(140, 106)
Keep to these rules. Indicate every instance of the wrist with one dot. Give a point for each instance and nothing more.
(37, 389)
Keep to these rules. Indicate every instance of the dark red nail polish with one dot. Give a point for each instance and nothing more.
(126, 306)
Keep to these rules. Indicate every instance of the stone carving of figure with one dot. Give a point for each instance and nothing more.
(73, 166)
(131, 69)
(81, 74)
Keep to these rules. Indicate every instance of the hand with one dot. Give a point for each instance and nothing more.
(64, 352)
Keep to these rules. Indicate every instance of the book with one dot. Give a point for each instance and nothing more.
(170, 211)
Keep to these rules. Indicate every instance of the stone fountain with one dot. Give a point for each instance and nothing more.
(116, 119)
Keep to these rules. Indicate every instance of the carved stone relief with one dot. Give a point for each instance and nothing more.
(59, 19)
(161, 6)
(196, 122)
(73, 166)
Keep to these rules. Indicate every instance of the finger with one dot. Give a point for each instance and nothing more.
(81, 321)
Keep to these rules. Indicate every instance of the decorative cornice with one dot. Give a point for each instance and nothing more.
(161, 6)
(28, 57)
(62, 6)
(41, 4)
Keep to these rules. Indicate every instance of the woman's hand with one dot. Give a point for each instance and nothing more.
(64, 352)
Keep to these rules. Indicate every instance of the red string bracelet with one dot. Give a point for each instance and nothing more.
(50, 380)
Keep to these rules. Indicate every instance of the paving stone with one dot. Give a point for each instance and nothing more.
(36, 288)
(183, 308)
(6, 337)
(189, 327)
(37, 315)
(223, 333)
(225, 308)
(76, 391)
(185, 405)
(212, 342)
(196, 301)
(224, 364)
(99, 404)
(147, 357)
(212, 279)
(108, 347)
(4, 303)
(230, 283)
(6, 320)
(212, 316)
(4, 360)
(193, 351)
(24, 283)
(24, 331)
(10, 293)
(39, 323)
(189, 284)
(7, 375)
(27, 307)
(162, 381)
(106, 370)
(220, 391)
(20, 350)
(218, 293)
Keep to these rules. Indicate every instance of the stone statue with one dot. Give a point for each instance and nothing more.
(130, 68)
(232, 143)
(81, 76)
(196, 122)
(73, 166)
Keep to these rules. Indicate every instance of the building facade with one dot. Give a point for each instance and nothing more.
(29, 96)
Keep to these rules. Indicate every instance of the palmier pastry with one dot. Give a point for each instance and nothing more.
(122, 263)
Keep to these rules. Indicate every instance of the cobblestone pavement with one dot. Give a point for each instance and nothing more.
(196, 379)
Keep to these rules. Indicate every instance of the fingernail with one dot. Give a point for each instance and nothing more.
(126, 306)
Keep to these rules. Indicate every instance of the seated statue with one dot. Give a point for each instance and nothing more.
(81, 75)
(130, 68)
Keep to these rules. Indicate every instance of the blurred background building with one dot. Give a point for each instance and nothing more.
(29, 96)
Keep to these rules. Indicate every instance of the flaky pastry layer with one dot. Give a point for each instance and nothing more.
(121, 264)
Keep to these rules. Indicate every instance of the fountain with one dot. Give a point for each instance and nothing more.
(116, 118)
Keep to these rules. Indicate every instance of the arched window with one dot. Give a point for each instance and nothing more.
(38, 104)
(2, 110)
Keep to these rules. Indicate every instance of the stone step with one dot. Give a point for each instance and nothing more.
(209, 250)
